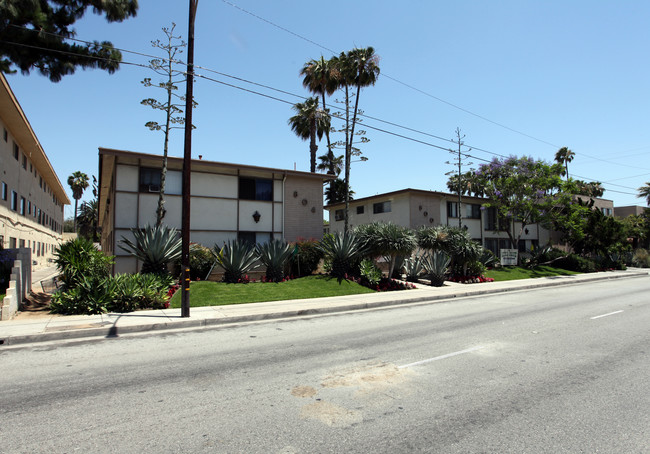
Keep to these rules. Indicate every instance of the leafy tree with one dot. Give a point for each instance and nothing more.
(78, 182)
(310, 122)
(336, 192)
(34, 34)
(174, 118)
(637, 227)
(602, 235)
(523, 191)
(644, 193)
(564, 156)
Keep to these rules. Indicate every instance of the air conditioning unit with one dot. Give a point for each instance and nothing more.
(154, 188)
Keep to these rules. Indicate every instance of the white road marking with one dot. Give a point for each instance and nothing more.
(448, 355)
(605, 315)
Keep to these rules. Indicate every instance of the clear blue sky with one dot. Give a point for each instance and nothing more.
(517, 77)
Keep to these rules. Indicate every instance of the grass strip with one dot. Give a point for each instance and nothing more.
(511, 273)
(207, 293)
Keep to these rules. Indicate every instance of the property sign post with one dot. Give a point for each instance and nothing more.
(509, 257)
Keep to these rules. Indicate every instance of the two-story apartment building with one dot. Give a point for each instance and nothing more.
(228, 201)
(416, 208)
(32, 197)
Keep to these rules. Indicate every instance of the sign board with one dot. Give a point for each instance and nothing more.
(509, 257)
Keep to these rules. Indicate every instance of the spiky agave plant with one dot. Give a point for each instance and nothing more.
(236, 258)
(435, 267)
(155, 246)
(414, 267)
(275, 256)
(344, 251)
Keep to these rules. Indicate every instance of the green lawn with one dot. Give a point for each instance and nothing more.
(207, 293)
(509, 273)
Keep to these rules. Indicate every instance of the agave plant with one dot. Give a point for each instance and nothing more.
(370, 272)
(155, 246)
(236, 258)
(414, 267)
(435, 267)
(275, 256)
(344, 251)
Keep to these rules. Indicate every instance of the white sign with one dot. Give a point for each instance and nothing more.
(509, 257)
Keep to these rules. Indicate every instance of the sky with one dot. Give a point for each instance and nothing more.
(517, 77)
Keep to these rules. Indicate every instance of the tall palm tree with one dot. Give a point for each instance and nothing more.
(644, 192)
(564, 156)
(321, 77)
(78, 182)
(331, 164)
(310, 122)
(358, 69)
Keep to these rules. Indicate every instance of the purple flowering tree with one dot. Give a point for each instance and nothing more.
(523, 191)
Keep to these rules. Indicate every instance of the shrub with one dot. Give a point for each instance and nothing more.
(370, 273)
(641, 258)
(574, 262)
(306, 259)
(344, 253)
(275, 256)
(155, 246)
(140, 291)
(90, 295)
(236, 258)
(201, 262)
(79, 260)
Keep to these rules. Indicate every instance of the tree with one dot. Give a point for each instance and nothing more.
(164, 67)
(88, 218)
(310, 122)
(644, 192)
(469, 184)
(331, 164)
(34, 34)
(336, 192)
(357, 68)
(589, 188)
(523, 191)
(564, 156)
(322, 78)
(78, 182)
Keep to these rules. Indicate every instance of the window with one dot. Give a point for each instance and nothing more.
(381, 207)
(473, 211)
(29, 207)
(14, 201)
(16, 151)
(247, 237)
(255, 189)
(4, 191)
(31, 167)
(606, 211)
(12, 242)
(339, 215)
(493, 221)
(21, 243)
(24, 161)
(149, 179)
(40, 182)
(452, 209)
(22, 206)
(6, 135)
(360, 209)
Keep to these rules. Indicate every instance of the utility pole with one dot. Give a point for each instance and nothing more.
(187, 162)
(458, 160)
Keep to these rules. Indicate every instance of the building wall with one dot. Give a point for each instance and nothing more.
(623, 212)
(218, 214)
(31, 213)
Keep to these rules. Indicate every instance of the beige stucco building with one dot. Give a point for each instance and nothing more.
(31, 206)
(415, 208)
(228, 201)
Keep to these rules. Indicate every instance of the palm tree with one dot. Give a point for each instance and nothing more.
(310, 122)
(644, 192)
(564, 156)
(78, 182)
(335, 193)
(331, 164)
(321, 77)
(358, 68)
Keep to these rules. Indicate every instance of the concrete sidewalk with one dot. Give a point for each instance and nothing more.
(48, 327)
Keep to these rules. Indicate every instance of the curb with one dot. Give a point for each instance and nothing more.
(114, 331)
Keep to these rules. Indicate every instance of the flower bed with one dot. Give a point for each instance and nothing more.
(470, 279)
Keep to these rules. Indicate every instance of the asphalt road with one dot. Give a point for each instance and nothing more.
(554, 370)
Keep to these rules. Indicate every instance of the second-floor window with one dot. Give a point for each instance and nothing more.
(150, 179)
(452, 209)
(339, 215)
(381, 207)
(255, 188)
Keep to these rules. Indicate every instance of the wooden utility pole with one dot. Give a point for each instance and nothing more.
(187, 163)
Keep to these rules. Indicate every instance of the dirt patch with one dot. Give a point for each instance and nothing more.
(37, 302)
(330, 414)
(303, 391)
(368, 377)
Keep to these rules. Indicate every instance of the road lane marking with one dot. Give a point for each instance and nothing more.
(605, 315)
(448, 355)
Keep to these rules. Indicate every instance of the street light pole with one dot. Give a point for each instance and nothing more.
(187, 161)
